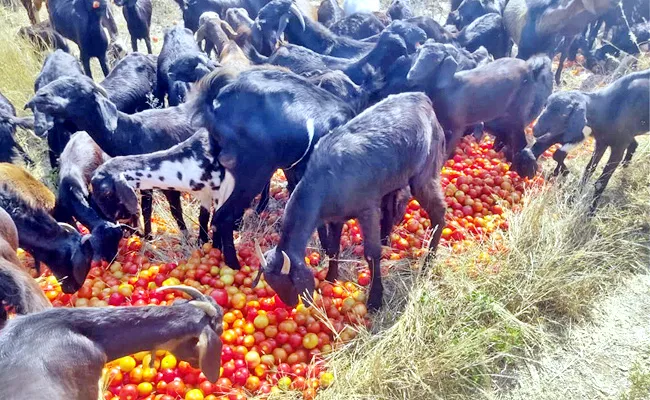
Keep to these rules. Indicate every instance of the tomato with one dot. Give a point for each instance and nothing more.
(176, 388)
(169, 361)
(145, 389)
(194, 394)
(129, 392)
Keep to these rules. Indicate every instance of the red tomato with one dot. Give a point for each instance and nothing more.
(129, 392)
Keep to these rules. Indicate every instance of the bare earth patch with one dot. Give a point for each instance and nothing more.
(597, 359)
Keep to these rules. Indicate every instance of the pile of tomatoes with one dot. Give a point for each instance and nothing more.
(267, 346)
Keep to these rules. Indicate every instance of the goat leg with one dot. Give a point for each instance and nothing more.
(134, 43)
(174, 200)
(204, 218)
(102, 63)
(85, 61)
(264, 198)
(370, 224)
(601, 183)
(593, 162)
(147, 42)
(630, 152)
(147, 204)
(332, 249)
(560, 168)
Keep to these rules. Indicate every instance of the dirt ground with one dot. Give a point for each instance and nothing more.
(597, 359)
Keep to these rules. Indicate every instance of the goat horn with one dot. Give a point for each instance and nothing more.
(152, 360)
(296, 11)
(260, 255)
(257, 278)
(286, 265)
(102, 91)
(185, 289)
(206, 307)
(68, 227)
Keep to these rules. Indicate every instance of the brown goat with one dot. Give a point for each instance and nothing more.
(33, 7)
(233, 56)
(29, 187)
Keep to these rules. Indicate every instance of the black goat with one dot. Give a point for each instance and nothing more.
(188, 166)
(487, 31)
(81, 22)
(303, 61)
(267, 28)
(259, 120)
(56, 65)
(329, 11)
(622, 41)
(132, 83)
(60, 246)
(181, 53)
(193, 9)
(399, 9)
(358, 26)
(67, 362)
(17, 289)
(535, 25)
(395, 144)
(86, 105)
(80, 158)
(8, 123)
(43, 37)
(466, 98)
(470, 10)
(614, 115)
(137, 14)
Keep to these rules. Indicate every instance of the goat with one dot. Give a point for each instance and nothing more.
(8, 123)
(399, 9)
(238, 18)
(397, 143)
(239, 111)
(269, 25)
(180, 49)
(56, 65)
(137, 14)
(467, 98)
(318, 38)
(81, 22)
(59, 245)
(622, 42)
(613, 115)
(80, 158)
(232, 56)
(17, 289)
(301, 60)
(329, 11)
(395, 79)
(470, 10)
(188, 166)
(360, 6)
(487, 31)
(86, 105)
(67, 362)
(357, 26)
(43, 37)
(132, 82)
(534, 26)
(340, 85)
(214, 31)
(33, 7)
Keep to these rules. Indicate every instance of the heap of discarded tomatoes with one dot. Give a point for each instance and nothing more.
(267, 346)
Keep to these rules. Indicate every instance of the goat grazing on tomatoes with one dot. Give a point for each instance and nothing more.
(395, 144)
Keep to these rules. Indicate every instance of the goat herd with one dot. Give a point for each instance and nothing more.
(357, 106)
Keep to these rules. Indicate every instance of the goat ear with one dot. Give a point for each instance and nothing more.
(126, 195)
(421, 67)
(107, 111)
(576, 125)
(209, 348)
(446, 72)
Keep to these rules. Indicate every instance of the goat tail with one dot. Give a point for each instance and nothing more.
(538, 65)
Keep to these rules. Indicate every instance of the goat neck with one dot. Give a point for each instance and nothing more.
(121, 331)
(300, 217)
